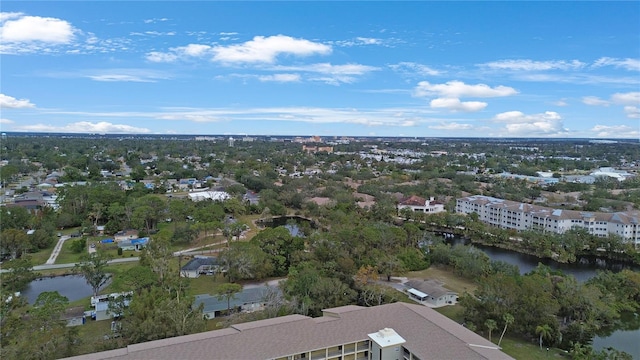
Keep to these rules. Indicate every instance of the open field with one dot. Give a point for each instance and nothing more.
(41, 257)
(520, 349)
(66, 255)
(451, 281)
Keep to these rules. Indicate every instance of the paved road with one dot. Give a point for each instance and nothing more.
(56, 250)
(195, 249)
(70, 265)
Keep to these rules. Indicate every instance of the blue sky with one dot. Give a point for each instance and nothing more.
(434, 69)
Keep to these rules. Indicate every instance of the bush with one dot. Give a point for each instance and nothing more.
(78, 245)
(119, 251)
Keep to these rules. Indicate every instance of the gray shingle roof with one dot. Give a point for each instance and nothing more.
(196, 263)
(428, 334)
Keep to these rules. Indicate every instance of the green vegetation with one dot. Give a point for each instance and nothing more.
(350, 246)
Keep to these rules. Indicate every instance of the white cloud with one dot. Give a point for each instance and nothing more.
(4, 16)
(266, 49)
(8, 102)
(359, 41)
(336, 74)
(616, 131)
(195, 49)
(561, 102)
(280, 78)
(179, 53)
(455, 104)
(517, 123)
(369, 41)
(154, 20)
(594, 101)
(532, 65)
(576, 78)
(632, 112)
(451, 127)
(414, 69)
(457, 89)
(399, 117)
(327, 68)
(156, 56)
(630, 98)
(5, 121)
(627, 64)
(118, 78)
(36, 28)
(85, 127)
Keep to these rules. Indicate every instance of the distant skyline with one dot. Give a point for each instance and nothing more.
(329, 68)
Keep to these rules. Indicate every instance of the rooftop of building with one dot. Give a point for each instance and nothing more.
(428, 334)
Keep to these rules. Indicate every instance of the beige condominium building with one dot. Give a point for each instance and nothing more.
(385, 332)
(514, 215)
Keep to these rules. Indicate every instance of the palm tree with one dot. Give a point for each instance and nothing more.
(544, 331)
(508, 319)
(491, 325)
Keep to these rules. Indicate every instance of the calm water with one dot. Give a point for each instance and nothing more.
(74, 287)
(625, 337)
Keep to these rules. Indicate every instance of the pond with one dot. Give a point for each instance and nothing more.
(584, 269)
(74, 287)
(297, 226)
(624, 336)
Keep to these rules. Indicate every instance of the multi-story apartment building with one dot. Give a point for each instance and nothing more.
(508, 214)
(385, 332)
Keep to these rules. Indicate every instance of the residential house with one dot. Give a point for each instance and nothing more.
(133, 244)
(74, 316)
(101, 305)
(248, 300)
(419, 204)
(200, 265)
(251, 197)
(209, 195)
(430, 292)
(125, 235)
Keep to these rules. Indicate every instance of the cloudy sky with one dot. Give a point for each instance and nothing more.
(435, 69)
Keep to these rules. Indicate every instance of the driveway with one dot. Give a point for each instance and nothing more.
(56, 250)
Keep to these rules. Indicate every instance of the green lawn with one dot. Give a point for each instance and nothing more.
(205, 284)
(66, 255)
(41, 257)
(520, 349)
(454, 312)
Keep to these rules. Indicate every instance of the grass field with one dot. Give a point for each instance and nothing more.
(455, 312)
(66, 255)
(520, 349)
(41, 257)
(451, 281)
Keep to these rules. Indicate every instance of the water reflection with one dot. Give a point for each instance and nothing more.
(74, 287)
(584, 269)
(624, 336)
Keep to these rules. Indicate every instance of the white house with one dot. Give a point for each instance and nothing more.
(209, 195)
(430, 292)
(198, 266)
(416, 203)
